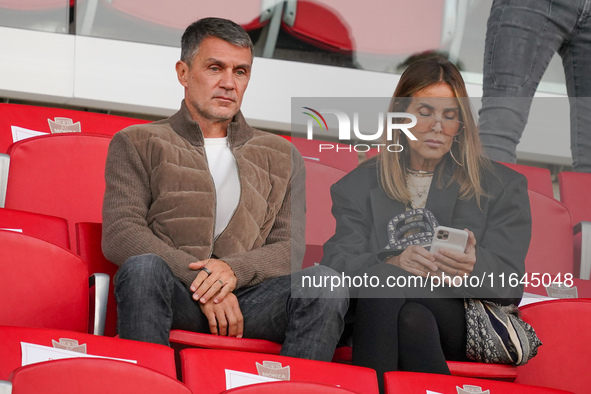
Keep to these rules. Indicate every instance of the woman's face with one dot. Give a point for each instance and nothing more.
(438, 115)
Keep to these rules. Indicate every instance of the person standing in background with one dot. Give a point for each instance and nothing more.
(521, 38)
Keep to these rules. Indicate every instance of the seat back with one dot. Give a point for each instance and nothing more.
(563, 360)
(574, 191)
(157, 357)
(419, 383)
(575, 188)
(538, 179)
(48, 228)
(289, 388)
(41, 284)
(320, 224)
(88, 247)
(551, 246)
(204, 370)
(19, 121)
(340, 156)
(92, 376)
(61, 175)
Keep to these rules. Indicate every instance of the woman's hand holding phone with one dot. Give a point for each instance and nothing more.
(452, 260)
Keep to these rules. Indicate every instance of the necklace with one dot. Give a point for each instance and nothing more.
(418, 184)
(419, 173)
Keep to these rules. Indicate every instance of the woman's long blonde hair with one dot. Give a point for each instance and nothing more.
(467, 150)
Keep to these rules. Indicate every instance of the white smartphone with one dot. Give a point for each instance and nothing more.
(449, 238)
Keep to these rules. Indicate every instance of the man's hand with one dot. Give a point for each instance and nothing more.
(225, 318)
(215, 279)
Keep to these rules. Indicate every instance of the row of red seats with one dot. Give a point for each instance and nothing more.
(562, 325)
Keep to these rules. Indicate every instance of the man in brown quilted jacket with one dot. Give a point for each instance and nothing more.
(205, 215)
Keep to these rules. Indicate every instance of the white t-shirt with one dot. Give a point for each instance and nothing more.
(223, 169)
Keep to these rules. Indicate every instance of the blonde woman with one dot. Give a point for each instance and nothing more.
(386, 211)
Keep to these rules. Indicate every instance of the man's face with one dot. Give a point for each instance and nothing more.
(216, 81)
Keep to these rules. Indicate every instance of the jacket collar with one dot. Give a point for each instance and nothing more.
(238, 130)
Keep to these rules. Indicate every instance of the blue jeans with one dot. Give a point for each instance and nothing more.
(151, 301)
(521, 38)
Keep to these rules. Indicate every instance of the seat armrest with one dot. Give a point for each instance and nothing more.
(585, 264)
(5, 387)
(101, 295)
(4, 164)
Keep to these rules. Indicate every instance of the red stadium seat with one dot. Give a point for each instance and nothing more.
(48, 228)
(92, 376)
(289, 388)
(39, 119)
(563, 360)
(346, 27)
(344, 354)
(157, 357)
(538, 179)
(551, 247)
(181, 339)
(575, 188)
(60, 175)
(340, 156)
(419, 383)
(45, 286)
(204, 370)
(320, 224)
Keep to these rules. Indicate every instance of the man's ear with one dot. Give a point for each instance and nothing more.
(182, 72)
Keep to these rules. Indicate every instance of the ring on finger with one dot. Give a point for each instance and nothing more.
(221, 283)
(457, 271)
(208, 272)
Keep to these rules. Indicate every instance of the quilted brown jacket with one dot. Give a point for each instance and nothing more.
(160, 199)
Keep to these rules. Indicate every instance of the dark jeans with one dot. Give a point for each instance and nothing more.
(521, 38)
(152, 300)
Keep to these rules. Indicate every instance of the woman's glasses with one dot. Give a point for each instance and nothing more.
(450, 127)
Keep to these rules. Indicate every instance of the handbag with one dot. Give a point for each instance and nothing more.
(497, 334)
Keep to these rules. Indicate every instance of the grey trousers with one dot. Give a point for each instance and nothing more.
(521, 38)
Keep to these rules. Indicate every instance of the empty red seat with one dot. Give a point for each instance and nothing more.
(346, 27)
(550, 254)
(575, 188)
(563, 360)
(320, 224)
(289, 388)
(419, 383)
(41, 119)
(61, 175)
(45, 286)
(92, 376)
(157, 357)
(337, 155)
(204, 370)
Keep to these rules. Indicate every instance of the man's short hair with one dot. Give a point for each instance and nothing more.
(212, 27)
